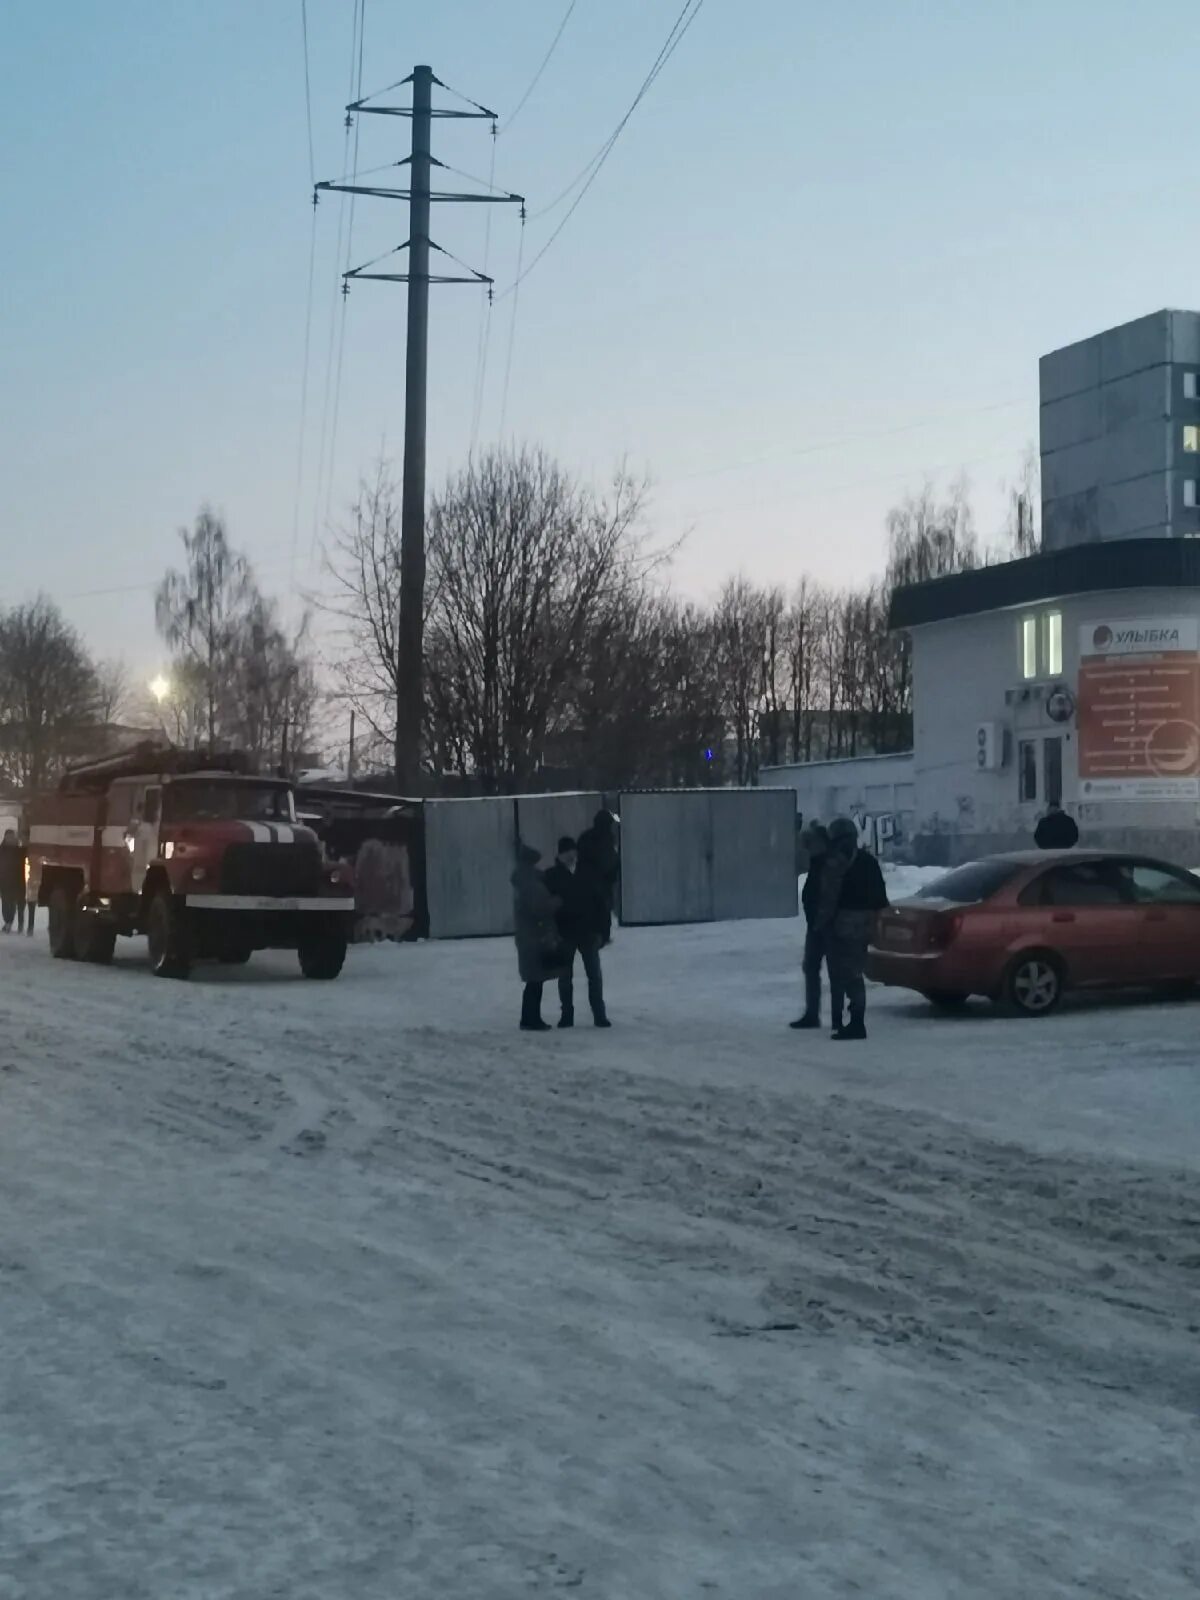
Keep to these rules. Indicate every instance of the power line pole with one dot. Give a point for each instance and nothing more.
(410, 684)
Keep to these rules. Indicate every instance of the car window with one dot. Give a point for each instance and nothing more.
(1150, 885)
(972, 884)
(1084, 883)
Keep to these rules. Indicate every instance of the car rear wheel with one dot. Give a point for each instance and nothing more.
(1033, 984)
(167, 938)
(63, 919)
(322, 955)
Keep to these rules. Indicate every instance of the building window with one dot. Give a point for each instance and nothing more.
(1190, 391)
(1052, 770)
(1191, 440)
(1027, 769)
(1189, 492)
(1052, 634)
(1029, 633)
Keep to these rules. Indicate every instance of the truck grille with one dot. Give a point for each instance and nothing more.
(286, 869)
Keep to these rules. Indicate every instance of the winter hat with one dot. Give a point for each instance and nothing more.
(604, 820)
(843, 828)
(565, 844)
(527, 855)
(814, 835)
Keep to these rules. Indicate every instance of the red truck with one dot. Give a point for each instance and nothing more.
(191, 849)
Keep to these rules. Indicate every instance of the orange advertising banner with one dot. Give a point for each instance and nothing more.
(1139, 709)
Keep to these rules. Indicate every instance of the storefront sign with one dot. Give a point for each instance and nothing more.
(1139, 709)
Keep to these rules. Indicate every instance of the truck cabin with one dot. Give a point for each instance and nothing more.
(219, 797)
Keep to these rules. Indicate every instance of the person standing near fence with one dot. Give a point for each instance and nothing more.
(852, 896)
(815, 843)
(600, 860)
(539, 956)
(12, 878)
(583, 922)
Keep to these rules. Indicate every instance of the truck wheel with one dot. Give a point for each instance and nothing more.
(62, 920)
(322, 955)
(167, 938)
(95, 938)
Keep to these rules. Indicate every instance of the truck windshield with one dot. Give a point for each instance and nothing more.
(226, 802)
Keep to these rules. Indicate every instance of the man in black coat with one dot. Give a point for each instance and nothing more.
(815, 844)
(852, 896)
(12, 878)
(582, 918)
(1057, 830)
(600, 860)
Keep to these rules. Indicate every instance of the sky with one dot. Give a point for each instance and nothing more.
(818, 267)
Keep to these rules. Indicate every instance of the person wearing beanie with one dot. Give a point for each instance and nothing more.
(582, 915)
(539, 954)
(852, 895)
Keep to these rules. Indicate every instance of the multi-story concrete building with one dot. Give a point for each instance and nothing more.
(1120, 427)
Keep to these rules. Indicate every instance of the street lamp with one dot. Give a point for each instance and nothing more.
(160, 688)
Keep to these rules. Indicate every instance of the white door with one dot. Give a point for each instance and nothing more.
(143, 836)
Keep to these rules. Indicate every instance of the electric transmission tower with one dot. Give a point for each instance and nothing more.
(419, 194)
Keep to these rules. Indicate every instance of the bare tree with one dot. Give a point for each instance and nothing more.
(740, 620)
(200, 610)
(113, 697)
(48, 693)
(1023, 535)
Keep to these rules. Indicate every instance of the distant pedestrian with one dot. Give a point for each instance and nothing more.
(583, 921)
(1057, 830)
(814, 842)
(852, 896)
(600, 860)
(12, 878)
(539, 953)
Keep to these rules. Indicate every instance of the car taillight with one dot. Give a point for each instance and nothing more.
(944, 929)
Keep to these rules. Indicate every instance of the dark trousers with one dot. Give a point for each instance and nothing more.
(590, 955)
(815, 953)
(8, 909)
(847, 980)
(27, 919)
(531, 1003)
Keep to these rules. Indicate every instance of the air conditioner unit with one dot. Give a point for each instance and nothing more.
(989, 747)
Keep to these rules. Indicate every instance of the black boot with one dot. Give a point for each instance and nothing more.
(567, 1020)
(809, 1020)
(851, 1030)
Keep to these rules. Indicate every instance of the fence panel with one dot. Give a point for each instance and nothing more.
(468, 862)
(753, 853)
(666, 857)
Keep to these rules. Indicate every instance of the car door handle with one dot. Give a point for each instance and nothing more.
(1063, 916)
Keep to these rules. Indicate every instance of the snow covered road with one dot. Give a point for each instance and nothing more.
(354, 1292)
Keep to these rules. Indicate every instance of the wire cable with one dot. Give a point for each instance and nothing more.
(485, 318)
(300, 443)
(512, 334)
(337, 388)
(312, 165)
(595, 166)
(537, 77)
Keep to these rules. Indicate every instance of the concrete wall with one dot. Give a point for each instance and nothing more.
(967, 671)
(707, 855)
(862, 786)
(1112, 417)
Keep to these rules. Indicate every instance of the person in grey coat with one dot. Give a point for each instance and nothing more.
(538, 943)
(852, 896)
(814, 843)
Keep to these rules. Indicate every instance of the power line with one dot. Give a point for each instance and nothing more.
(512, 333)
(537, 77)
(308, 321)
(312, 165)
(338, 287)
(689, 13)
(485, 318)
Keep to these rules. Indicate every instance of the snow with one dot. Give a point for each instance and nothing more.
(353, 1292)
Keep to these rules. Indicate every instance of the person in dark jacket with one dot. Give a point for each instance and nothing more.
(1057, 830)
(12, 878)
(815, 845)
(539, 953)
(852, 895)
(600, 860)
(583, 920)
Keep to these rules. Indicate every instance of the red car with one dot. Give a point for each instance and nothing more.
(1022, 929)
